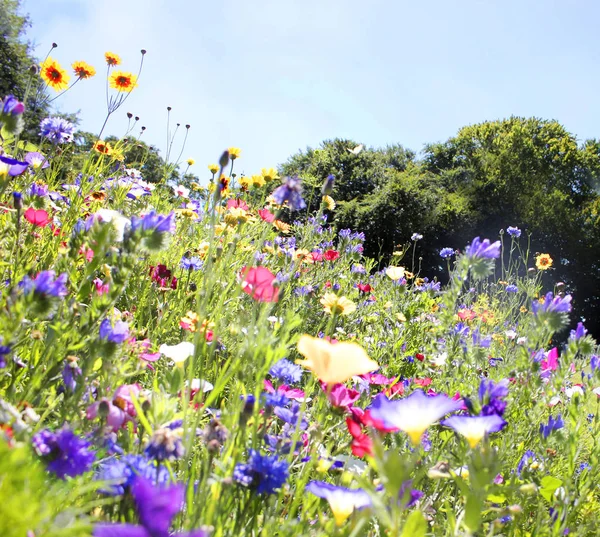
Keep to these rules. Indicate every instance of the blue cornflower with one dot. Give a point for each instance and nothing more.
(116, 333)
(66, 453)
(191, 263)
(483, 249)
(553, 425)
(290, 191)
(262, 473)
(57, 130)
(286, 371)
(513, 231)
(45, 284)
(511, 288)
(165, 443)
(445, 253)
(416, 237)
(160, 223)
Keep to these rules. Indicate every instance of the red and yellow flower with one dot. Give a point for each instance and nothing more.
(122, 81)
(112, 59)
(54, 75)
(83, 70)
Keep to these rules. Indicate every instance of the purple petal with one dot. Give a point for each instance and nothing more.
(157, 506)
(120, 530)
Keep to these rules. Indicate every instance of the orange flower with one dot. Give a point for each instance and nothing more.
(103, 147)
(54, 75)
(122, 81)
(112, 59)
(83, 70)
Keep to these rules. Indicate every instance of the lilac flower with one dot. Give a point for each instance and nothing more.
(11, 107)
(65, 453)
(342, 501)
(10, 167)
(344, 233)
(528, 456)
(152, 221)
(191, 263)
(552, 304)
(416, 237)
(36, 160)
(38, 189)
(475, 428)
(513, 231)
(286, 371)
(578, 333)
(445, 253)
(116, 333)
(491, 397)
(263, 473)
(483, 249)
(290, 191)
(552, 425)
(413, 414)
(57, 130)
(511, 289)
(45, 284)
(156, 508)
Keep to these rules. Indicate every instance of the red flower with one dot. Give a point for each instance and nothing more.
(420, 357)
(361, 443)
(331, 255)
(423, 382)
(364, 288)
(38, 217)
(258, 283)
(266, 215)
(237, 204)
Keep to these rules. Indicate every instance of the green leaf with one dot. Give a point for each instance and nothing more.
(549, 486)
(416, 525)
(473, 508)
(496, 498)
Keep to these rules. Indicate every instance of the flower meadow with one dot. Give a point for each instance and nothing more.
(214, 360)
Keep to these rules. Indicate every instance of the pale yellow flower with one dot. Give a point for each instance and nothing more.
(339, 305)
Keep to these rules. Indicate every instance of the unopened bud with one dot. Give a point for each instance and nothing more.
(143, 51)
(224, 160)
(129, 115)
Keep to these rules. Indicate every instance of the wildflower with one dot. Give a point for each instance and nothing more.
(46, 284)
(414, 414)
(37, 217)
(329, 203)
(543, 262)
(269, 174)
(117, 333)
(474, 428)
(266, 215)
(258, 282)
(123, 472)
(65, 453)
(337, 305)
(334, 363)
(552, 425)
(190, 162)
(123, 81)
(491, 396)
(11, 112)
(395, 273)
(83, 70)
(10, 167)
(165, 444)
(552, 304)
(191, 263)
(213, 168)
(104, 148)
(291, 192)
(57, 130)
(416, 237)
(578, 333)
(156, 507)
(483, 249)
(286, 371)
(445, 253)
(119, 410)
(513, 231)
(159, 223)
(54, 75)
(331, 255)
(340, 396)
(36, 161)
(181, 191)
(118, 221)
(262, 473)
(342, 501)
(234, 152)
(112, 59)
(511, 289)
(178, 353)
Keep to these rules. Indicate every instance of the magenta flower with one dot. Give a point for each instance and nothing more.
(119, 410)
(340, 396)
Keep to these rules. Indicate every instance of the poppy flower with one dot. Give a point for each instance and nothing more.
(38, 217)
(258, 283)
(331, 255)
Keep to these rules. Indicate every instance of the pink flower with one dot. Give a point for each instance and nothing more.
(237, 204)
(551, 361)
(101, 287)
(291, 393)
(340, 396)
(258, 283)
(266, 215)
(38, 217)
(119, 410)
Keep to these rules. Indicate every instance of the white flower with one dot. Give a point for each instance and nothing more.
(522, 341)
(181, 191)
(178, 353)
(510, 334)
(119, 222)
(200, 385)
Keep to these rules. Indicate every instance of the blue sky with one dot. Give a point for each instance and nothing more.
(276, 76)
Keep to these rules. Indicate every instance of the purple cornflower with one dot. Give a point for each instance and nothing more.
(511, 288)
(342, 501)
(116, 333)
(11, 167)
(191, 263)
(513, 231)
(483, 249)
(165, 444)
(156, 507)
(445, 253)
(37, 160)
(65, 452)
(578, 333)
(263, 473)
(152, 221)
(286, 371)
(552, 425)
(290, 191)
(57, 130)
(45, 284)
(491, 397)
(552, 304)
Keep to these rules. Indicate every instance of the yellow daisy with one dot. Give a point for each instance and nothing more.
(54, 75)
